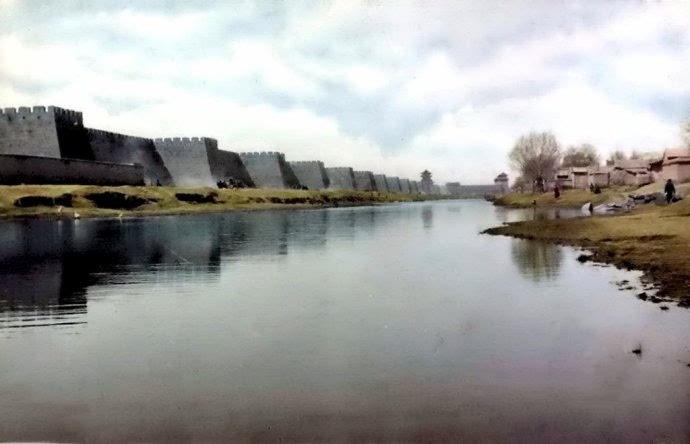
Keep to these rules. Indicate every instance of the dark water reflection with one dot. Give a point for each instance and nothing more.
(538, 260)
(393, 323)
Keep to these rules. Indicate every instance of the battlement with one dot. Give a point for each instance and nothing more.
(306, 162)
(364, 172)
(340, 169)
(24, 113)
(184, 139)
(109, 134)
(263, 154)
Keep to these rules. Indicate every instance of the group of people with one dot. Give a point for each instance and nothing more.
(231, 182)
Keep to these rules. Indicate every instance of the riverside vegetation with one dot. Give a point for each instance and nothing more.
(652, 238)
(65, 201)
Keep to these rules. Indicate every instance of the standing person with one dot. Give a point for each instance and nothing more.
(556, 192)
(670, 190)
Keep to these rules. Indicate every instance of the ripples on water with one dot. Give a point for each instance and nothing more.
(396, 322)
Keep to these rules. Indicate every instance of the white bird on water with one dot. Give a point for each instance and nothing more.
(59, 210)
(76, 215)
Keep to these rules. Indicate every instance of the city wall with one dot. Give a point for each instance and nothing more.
(226, 165)
(364, 181)
(341, 178)
(32, 132)
(187, 160)
(311, 174)
(56, 134)
(120, 148)
(18, 169)
(269, 170)
(393, 184)
(381, 184)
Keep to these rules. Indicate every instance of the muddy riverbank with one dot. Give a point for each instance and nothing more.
(652, 238)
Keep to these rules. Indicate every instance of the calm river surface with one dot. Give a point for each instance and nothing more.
(390, 323)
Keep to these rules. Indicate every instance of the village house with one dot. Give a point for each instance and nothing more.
(674, 165)
(600, 176)
(633, 172)
(582, 177)
(563, 178)
(573, 177)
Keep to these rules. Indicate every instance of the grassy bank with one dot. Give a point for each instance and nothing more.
(651, 238)
(96, 201)
(569, 198)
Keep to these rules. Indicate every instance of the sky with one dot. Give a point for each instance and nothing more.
(395, 87)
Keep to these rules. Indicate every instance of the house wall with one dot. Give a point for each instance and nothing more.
(381, 183)
(311, 174)
(601, 179)
(364, 181)
(642, 179)
(678, 172)
(187, 160)
(580, 180)
(620, 177)
(21, 169)
(120, 148)
(269, 170)
(341, 178)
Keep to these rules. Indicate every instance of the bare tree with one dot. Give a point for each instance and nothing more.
(616, 156)
(581, 156)
(520, 184)
(536, 156)
(646, 155)
(685, 133)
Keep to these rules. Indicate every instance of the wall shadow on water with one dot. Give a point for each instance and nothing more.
(428, 217)
(538, 261)
(47, 267)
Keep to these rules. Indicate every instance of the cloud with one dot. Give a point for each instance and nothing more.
(393, 87)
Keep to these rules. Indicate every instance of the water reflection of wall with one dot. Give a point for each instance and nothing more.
(46, 267)
(536, 260)
(428, 216)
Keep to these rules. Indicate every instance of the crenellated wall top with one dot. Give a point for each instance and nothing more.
(344, 169)
(184, 139)
(115, 135)
(35, 113)
(263, 154)
(306, 162)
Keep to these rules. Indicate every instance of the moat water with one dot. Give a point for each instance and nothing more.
(390, 323)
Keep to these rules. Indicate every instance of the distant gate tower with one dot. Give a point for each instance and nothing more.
(501, 182)
(427, 183)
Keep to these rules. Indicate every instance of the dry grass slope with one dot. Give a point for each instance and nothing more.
(569, 198)
(162, 200)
